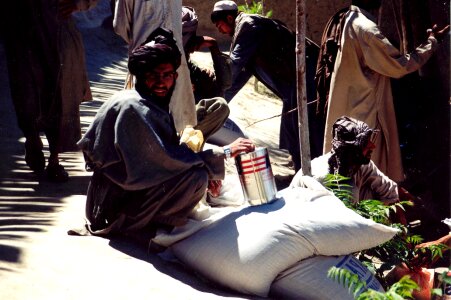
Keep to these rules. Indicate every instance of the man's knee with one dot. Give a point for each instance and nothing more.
(199, 178)
(211, 115)
(220, 106)
(216, 107)
(224, 108)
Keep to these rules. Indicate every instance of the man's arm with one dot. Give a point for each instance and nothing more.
(238, 81)
(374, 184)
(244, 46)
(221, 65)
(384, 58)
(85, 4)
(67, 7)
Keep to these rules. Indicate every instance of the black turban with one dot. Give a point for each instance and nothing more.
(349, 132)
(159, 48)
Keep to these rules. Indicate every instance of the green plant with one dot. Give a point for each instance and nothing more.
(400, 290)
(256, 7)
(370, 209)
(340, 186)
(399, 250)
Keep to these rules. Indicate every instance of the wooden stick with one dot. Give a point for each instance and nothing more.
(301, 88)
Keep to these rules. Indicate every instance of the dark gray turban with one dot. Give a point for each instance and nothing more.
(159, 48)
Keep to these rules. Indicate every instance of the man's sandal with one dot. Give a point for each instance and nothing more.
(56, 173)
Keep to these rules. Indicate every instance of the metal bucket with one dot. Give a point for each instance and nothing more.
(257, 179)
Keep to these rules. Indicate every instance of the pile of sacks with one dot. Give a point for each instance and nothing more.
(285, 248)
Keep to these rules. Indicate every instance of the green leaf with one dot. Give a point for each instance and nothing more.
(256, 7)
(437, 292)
(348, 279)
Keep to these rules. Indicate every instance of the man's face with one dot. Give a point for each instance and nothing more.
(226, 26)
(371, 145)
(368, 150)
(161, 80)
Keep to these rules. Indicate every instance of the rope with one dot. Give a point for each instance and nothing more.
(279, 115)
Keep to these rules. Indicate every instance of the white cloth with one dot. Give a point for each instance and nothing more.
(134, 21)
(368, 182)
(360, 85)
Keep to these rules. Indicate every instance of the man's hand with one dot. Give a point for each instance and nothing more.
(208, 42)
(199, 42)
(241, 145)
(214, 188)
(439, 34)
(425, 257)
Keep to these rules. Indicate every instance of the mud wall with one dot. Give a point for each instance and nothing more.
(318, 12)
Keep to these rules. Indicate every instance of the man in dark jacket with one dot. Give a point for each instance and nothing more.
(265, 48)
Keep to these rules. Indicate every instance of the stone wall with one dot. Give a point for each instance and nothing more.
(318, 12)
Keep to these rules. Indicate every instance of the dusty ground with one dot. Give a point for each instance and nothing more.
(38, 260)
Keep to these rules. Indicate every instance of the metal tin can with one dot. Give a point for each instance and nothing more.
(256, 177)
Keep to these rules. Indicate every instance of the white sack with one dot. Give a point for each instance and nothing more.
(248, 248)
(307, 279)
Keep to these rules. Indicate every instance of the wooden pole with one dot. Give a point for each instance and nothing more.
(301, 88)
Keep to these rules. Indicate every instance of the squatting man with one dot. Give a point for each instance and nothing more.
(144, 178)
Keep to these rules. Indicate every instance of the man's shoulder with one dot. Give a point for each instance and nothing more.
(121, 100)
(125, 97)
(254, 24)
(256, 19)
(244, 19)
(126, 94)
(362, 19)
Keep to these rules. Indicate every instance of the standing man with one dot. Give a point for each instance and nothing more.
(360, 85)
(134, 21)
(144, 178)
(47, 75)
(265, 48)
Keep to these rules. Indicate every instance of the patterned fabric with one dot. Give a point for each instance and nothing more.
(350, 132)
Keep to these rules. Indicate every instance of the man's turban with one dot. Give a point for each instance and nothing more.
(159, 48)
(350, 132)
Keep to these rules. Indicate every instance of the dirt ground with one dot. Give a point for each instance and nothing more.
(38, 260)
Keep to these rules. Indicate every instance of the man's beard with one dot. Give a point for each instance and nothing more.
(146, 93)
(347, 161)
